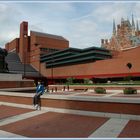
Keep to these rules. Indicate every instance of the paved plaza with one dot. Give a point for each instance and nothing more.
(21, 120)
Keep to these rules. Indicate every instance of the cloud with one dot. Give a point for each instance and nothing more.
(9, 25)
(83, 24)
(102, 15)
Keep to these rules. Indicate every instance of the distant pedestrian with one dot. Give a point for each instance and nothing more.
(68, 87)
(37, 100)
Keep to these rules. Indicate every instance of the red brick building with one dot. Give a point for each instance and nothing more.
(29, 48)
(51, 56)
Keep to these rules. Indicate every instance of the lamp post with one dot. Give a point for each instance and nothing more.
(39, 67)
(52, 72)
(129, 65)
(36, 44)
(24, 55)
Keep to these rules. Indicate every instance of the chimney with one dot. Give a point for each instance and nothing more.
(102, 41)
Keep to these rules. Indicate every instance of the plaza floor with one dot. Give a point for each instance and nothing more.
(22, 120)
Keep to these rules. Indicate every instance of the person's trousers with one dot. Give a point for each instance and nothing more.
(37, 100)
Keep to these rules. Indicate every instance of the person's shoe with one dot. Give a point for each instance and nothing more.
(39, 108)
(36, 106)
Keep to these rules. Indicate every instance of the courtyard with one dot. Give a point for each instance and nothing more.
(70, 114)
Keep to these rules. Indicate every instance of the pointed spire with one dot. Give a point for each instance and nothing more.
(137, 26)
(133, 26)
(133, 23)
(122, 19)
(114, 27)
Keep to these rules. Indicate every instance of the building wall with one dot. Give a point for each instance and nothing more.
(29, 51)
(79, 71)
(116, 66)
(46, 42)
(13, 45)
(16, 84)
(28, 47)
(35, 58)
(37, 42)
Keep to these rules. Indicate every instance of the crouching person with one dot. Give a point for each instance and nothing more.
(37, 100)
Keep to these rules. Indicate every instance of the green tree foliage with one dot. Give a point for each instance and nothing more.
(70, 80)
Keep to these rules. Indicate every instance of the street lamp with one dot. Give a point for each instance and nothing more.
(129, 65)
(24, 55)
(36, 44)
(52, 71)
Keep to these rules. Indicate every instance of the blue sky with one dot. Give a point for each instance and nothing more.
(82, 23)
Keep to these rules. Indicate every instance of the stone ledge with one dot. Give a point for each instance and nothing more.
(76, 98)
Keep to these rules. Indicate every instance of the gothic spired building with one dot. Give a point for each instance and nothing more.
(127, 35)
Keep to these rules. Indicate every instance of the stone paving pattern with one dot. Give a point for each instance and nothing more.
(55, 125)
(8, 111)
(20, 120)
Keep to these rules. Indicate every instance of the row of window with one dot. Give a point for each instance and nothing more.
(48, 49)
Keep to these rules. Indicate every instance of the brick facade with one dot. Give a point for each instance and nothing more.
(115, 67)
(13, 45)
(29, 48)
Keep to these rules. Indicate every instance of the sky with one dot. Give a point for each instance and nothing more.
(84, 24)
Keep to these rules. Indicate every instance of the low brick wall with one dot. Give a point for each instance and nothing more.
(84, 87)
(96, 106)
(16, 84)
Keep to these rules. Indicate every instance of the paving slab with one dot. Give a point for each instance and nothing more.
(110, 129)
(9, 111)
(55, 125)
(19, 117)
(131, 130)
(4, 134)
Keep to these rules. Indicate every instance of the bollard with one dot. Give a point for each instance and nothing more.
(68, 87)
(64, 88)
(55, 89)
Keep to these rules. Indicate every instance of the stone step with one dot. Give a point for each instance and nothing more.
(10, 77)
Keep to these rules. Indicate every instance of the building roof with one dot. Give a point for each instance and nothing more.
(95, 48)
(49, 35)
(67, 51)
(15, 66)
(74, 56)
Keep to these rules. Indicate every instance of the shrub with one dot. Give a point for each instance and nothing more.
(100, 90)
(70, 80)
(127, 78)
(130, 90)
(86, 81)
